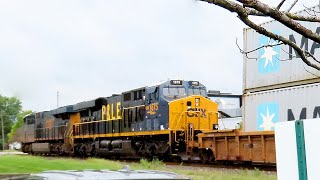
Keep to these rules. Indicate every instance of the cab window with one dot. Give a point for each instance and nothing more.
(174, 92)
(196, 91)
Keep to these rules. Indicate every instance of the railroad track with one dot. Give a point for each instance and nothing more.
(261, 167)
(195, 165)
(213, 165)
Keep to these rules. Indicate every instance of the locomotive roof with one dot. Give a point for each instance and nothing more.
(64, 109)
(90, 104)
(158, 84)
(29, 115)
(168, 82)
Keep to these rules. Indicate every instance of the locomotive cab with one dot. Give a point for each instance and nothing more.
(174, 104)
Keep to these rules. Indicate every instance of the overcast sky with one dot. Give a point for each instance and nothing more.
(87, 49)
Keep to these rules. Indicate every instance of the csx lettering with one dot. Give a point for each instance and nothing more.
(202, 112)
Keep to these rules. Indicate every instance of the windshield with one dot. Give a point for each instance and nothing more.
(174, 92)
(196, 91)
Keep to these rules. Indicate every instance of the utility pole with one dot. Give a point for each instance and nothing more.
(2, 130)
(57, 99)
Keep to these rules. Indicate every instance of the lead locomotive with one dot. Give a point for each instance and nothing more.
(161, 120)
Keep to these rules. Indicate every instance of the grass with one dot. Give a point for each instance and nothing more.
(145, 164)
(35, 164)
(227, 175)
(205, 173)
(9, 150)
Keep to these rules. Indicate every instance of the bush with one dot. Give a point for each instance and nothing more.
(154, 164)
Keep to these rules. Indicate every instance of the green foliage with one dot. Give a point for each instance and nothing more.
(154, 164)
(225, 174)
(241, 126)
(10, 107)
(17, 124)
(34, 164)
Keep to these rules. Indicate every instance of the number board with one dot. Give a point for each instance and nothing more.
(176, 82)
(194, 83)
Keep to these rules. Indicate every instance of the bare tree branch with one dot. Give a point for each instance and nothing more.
(292, 5)
(243, 13)
(263, 31)
(310, 72)
(282, 18)
(308, 54)
(263, 46)
(292, 56)
(280, 4)
(243, 52)
(312, 10)
(293, 16)
(311, 18)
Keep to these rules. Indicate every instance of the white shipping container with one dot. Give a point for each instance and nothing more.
(262, 110)
(227, 102)
(277, 66)
(229, 123)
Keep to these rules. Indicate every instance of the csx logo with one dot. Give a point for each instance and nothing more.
(202, 112)
(152, 108)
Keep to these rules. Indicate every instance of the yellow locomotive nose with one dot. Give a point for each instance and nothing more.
(196, 111)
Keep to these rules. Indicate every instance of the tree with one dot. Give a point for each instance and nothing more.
(247, 8)
(10, 107)
(16, 131)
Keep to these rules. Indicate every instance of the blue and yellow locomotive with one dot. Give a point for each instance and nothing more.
(160, 120)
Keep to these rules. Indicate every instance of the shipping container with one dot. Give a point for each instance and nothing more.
(227, 102)
(278, 66)
(263, 109)
(229, 123)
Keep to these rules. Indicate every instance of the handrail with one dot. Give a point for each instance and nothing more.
(71, 137)
(68, 135)
(178, 120)
(51, 127)
(174, 119)
(181, 116)
(134, 107)
(66, 132)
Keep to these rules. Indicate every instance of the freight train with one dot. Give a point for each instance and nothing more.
(171, 119)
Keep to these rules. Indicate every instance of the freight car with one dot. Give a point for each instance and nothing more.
(172, 119)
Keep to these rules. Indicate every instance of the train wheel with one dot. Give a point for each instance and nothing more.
(204, 158)
(177, 159)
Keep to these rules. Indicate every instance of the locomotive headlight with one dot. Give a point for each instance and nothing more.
(189, 104)
(197, 102)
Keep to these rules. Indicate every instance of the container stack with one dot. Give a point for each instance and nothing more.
(277, 85)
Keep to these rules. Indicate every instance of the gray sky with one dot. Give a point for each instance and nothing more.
(86, 49)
